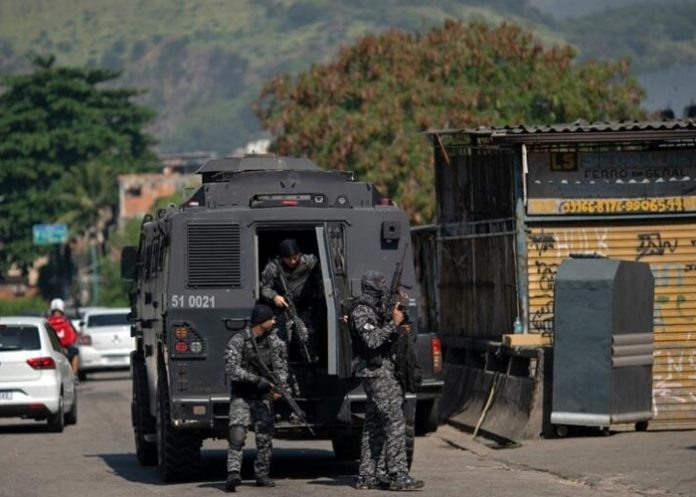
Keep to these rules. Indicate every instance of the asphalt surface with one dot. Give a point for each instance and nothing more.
(96, 458)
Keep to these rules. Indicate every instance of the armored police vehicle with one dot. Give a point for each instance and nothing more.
(195, 280)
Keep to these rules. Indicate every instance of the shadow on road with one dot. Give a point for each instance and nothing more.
(106, 376)
(30, 427)
(305, 464)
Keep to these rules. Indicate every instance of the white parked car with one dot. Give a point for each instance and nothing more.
(36, 380)
(105, 343)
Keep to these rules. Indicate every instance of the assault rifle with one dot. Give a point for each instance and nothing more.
(408, 372)
(278, 387)
(291, 314)
(394, 296)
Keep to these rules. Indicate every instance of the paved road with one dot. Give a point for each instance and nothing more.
(95, 458)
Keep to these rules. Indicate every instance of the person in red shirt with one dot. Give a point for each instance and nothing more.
(65, 331)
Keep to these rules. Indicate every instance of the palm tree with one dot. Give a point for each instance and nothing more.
(89, 195)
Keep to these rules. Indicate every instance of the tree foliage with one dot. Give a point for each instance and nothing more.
(64, 137)
(366, 110)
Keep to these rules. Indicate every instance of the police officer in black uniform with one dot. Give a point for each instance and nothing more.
(252, 394)
(384, 431)
(294, 277)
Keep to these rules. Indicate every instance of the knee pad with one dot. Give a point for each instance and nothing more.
(237, 435)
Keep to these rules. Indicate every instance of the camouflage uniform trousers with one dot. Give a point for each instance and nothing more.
(384, 432)
(243, 412)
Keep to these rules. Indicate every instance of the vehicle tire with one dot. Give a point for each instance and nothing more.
(56, 422)
(178, 451)
(82, 375)
(642, 426)
(143, 422)
(71, 415)
(347, 447)
(427, 417)
(560, 431)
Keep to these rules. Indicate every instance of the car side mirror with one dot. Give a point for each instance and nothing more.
(129, 259)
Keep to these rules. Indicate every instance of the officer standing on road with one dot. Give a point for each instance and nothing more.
(252, 394)
(294, 276)
(384, 431)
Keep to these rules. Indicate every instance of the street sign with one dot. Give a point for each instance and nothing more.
(48, 234)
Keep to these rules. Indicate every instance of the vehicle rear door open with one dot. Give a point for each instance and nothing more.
(332, 244)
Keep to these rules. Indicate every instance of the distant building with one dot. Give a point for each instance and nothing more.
(137, 193)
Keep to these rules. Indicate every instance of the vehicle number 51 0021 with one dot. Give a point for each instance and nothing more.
(199, 301)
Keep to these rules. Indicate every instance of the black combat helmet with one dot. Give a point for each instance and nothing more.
(261, 314)
(288, 248)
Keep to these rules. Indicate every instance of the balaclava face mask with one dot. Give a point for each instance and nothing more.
(374, 287)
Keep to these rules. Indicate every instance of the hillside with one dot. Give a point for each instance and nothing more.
(203, 61)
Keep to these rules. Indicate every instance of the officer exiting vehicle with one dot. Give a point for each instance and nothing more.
(291, 282)
(384, 431)
(249, 354)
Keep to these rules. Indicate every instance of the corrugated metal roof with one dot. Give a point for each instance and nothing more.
(581, 130)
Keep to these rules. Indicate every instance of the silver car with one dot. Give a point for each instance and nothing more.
(36, 380)
(105, 343)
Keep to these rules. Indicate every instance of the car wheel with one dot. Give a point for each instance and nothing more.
(56, 422)
(71, 415)
(427, 417)
(82, 375)
(560, 431)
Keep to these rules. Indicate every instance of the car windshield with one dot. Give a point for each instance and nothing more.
(18, 337)
(120, 319)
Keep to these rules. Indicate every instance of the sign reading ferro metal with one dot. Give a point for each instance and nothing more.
(587, 183)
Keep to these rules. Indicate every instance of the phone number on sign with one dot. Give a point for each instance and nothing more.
(621, 205)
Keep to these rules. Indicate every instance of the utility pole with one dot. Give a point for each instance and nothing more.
(95, 268)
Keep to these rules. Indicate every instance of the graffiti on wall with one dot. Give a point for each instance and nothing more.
(672, 258)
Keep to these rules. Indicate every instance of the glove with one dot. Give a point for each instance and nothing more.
(264, 385)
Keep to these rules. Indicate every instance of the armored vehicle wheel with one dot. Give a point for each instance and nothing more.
(144, 424)
(178, 451)
(346, 447)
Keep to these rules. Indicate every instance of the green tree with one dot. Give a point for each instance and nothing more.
(366, 110)
(64, 132)
(88, 197)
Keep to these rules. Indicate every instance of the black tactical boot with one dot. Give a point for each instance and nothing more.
(233, 481)
(365, 483)
(264, 481)
(404, 483)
